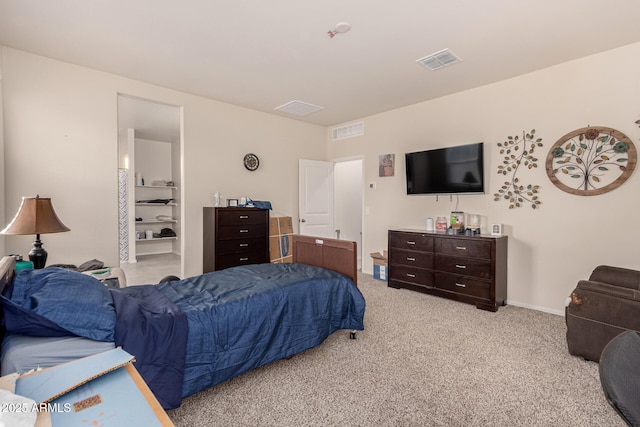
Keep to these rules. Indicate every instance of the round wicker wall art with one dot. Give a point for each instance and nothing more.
(591, 161)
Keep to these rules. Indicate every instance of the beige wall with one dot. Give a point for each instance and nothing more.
(549, 248)
(61, 142)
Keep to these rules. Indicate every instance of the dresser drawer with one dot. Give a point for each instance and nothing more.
(463, 285)
(242, 231)
(411, 241)
(231, 260)
(241, 217)
(467, 266)
(464, 248)
(411, 258)
(416, 276)
(243, 244)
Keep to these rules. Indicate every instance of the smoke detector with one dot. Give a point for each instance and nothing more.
(340, 28)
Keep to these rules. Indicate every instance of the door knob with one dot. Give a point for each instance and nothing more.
(303, 220)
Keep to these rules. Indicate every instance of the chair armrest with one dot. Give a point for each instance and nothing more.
(608, 289)
(606, 304)
(617, 276)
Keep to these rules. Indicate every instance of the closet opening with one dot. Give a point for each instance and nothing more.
(149, 190)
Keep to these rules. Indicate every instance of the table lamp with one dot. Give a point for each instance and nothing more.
(36, 216)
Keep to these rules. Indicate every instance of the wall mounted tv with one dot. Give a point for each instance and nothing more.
(449, 170)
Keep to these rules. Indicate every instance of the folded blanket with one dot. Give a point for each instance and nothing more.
(154, 330)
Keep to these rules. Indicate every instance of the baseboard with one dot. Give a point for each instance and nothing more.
(154, 253)
(537, 308)
(520, 304)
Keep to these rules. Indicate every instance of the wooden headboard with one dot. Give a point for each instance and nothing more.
(332, 254)
(7, 268)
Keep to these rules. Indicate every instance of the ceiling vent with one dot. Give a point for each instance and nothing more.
(299, 108)
(348, 131)
(439, 60)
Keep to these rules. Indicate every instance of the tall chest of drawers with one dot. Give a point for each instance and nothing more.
(234, 236)
(471, 269)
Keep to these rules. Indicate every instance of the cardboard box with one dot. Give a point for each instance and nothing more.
(280, 231)
(280, 246)
(285, 260)
(103, 389)
(280, 225)
(380, 265)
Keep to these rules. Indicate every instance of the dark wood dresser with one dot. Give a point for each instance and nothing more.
(470, 269)
(234, 236)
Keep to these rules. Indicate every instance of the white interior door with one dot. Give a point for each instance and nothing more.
(316, 198)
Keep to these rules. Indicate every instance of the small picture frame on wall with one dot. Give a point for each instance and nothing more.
(232, 203)
(386, 164)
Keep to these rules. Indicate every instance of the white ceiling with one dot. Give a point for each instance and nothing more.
(262, 54)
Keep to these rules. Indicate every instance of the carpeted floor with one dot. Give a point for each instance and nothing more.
(421, 361)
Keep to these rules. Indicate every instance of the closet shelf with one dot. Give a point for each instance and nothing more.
(156, 186)
(156, 239)
(156, 221)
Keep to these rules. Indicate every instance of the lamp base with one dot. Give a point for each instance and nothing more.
(38, 256)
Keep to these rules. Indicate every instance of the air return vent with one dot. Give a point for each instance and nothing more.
(439, 59)
(348, 131)
(299, 108)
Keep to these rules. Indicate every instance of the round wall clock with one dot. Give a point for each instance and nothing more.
(591, 161)
(251, 161)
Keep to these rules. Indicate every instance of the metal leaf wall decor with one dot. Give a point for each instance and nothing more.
(518, 153)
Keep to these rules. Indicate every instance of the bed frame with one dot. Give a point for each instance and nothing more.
(337, 255)
(332, 254)
(7, 268)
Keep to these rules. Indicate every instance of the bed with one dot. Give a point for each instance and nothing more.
(191, 334)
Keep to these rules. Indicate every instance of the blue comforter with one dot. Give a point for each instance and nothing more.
(191, 334)
(244, 317)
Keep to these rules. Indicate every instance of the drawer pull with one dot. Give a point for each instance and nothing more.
(410, 258)
(244, 231)
(411, 275)
(461, 248)
(244, 245)
(460, 285)
(244, 216)
(410, 242)
(247, 259)
(460, 266)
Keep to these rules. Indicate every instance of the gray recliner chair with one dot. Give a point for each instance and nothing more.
(601, 308)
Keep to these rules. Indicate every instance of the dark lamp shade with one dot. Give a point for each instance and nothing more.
(35, 216)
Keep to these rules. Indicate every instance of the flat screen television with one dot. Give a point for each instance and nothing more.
(449, 170)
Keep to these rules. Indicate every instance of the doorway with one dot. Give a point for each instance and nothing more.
(331, 200)
(149, 189)
(349, 201)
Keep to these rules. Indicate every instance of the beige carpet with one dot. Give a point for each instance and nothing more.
(422, 361)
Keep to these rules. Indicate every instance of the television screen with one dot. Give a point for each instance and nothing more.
(458, 169)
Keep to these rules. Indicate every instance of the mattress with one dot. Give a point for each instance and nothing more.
(21, 353)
